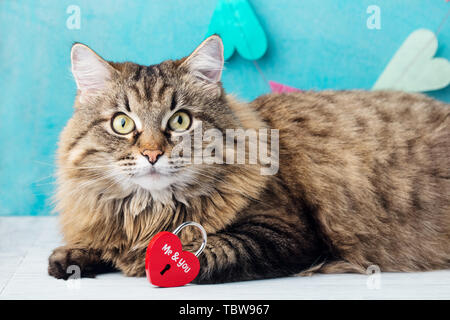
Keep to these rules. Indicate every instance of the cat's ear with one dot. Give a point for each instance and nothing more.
(206, 62)
(90, 71)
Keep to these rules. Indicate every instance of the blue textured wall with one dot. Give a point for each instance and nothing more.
(312, 45)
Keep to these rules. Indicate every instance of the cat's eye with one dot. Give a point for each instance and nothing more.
(179, 121)
(122, 124)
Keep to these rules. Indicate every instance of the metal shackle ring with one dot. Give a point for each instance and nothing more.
(195, 224)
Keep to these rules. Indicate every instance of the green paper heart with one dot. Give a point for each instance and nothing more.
(413, 68)
(236, 23)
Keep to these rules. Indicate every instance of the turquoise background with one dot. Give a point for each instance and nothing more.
(311, 45)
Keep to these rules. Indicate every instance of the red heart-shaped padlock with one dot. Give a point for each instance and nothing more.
(166, 264)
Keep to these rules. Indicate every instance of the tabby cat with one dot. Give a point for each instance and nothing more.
(363, 177)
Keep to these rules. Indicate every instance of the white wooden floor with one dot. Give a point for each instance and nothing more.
(26, 242)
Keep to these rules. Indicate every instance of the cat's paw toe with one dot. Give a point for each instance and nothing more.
(58, 263)
(64, 262)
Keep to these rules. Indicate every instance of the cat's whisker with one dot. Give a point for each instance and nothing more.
(45, 178)
(71, 167)
(98, 177)
(195, 171)
(88, 167)
(55, 177)
(115, 182)
(45, 163)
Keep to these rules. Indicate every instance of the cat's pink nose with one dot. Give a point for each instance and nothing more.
(152, 155)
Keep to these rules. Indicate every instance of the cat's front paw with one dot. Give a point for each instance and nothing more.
(133, 263)
(64, 261)
(134, 271)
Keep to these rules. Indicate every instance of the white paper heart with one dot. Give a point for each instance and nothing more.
(413, 67)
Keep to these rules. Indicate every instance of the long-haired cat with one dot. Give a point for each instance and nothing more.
(363, 176)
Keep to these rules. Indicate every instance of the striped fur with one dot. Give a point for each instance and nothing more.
(363, 179)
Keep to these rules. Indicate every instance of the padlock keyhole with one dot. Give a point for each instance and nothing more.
(167, 267)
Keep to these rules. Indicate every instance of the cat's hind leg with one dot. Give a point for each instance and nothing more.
(339, 266)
